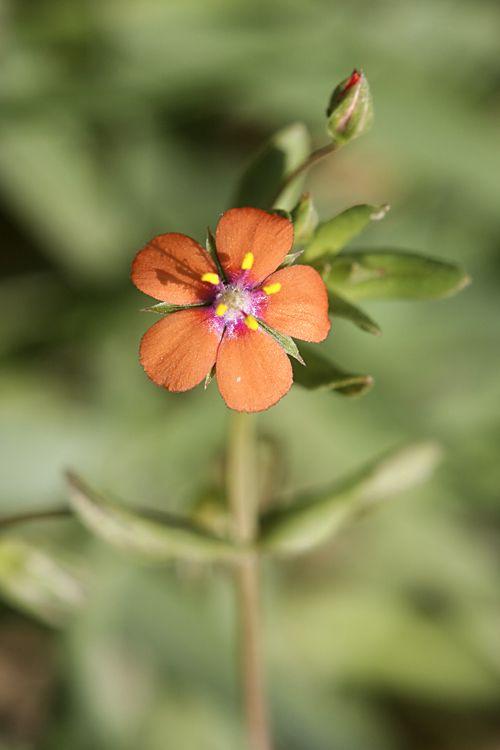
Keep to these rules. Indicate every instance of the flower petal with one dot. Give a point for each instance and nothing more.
(253, 372)
(300, 307)
(268, 237)
(179, 350)
(170, 268)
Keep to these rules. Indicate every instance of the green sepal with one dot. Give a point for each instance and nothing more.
(210, 377)
(281, 155)
(212, 251)
(316, 518)
(156, 539)
(286, 342)
(322, 374)
(393, 274)
(340, 307)
(165, 308)
(350, 112)
(39, 582)
(305, 219)
(289, 260)
(331, 236)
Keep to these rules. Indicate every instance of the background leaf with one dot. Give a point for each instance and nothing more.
(318, 517)
(342, 308)
(150, 541)
(331, 236)
(39, 581)
(284, 152)
(322, 374)
(392, 274)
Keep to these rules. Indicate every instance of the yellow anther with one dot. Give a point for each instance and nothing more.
(212, 278)
(251, 322)
(272, 288)
(221, 309)
(247, 262)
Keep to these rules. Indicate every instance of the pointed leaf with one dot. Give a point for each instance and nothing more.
(151, 540)
(286, 342)
(38, 582)
(342, 308)
(322, 374)
(393, 274)
(283, 153)
(316, 518)
(331, 236)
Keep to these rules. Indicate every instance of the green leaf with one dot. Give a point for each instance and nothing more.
(322, 374)
(331, 236)
(286, 342)
(305, 219)
(315, 518)
(342, 308)
(39, 582)
(283, 153)
(165, 308)
(393, 274)
(153, 540)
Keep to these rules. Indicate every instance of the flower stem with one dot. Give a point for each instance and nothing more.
(320, 153)
(243, 500)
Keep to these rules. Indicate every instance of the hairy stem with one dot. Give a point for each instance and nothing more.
(243, 500)
(320, 153)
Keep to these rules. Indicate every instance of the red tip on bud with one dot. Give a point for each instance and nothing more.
(353, 79)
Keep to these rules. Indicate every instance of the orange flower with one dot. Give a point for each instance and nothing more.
(219, 322)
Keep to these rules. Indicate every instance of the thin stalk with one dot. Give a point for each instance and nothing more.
(320, 153)
(243, 500)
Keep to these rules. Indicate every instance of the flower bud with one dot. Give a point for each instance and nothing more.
(350, 112)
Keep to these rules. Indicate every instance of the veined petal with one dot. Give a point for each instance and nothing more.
(179, 350)
(170, 268)
(253, 372)
(268, 237)
(300, 307)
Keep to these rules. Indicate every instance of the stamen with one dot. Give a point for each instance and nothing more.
(251, 322)
(247, 262)
(212, 278)
(272, 288)
(221, 309)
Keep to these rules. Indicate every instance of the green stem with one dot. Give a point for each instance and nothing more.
(320, 153)
(243, 500)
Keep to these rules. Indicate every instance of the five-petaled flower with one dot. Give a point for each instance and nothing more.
(223, 312)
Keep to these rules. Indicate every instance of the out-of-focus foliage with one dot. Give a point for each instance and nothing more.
(123, 119)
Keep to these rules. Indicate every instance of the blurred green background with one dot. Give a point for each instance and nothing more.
(122, 119)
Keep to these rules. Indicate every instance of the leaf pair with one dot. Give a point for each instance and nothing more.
(310, 521)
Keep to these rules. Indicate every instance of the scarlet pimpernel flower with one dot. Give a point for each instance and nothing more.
(226, 312)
